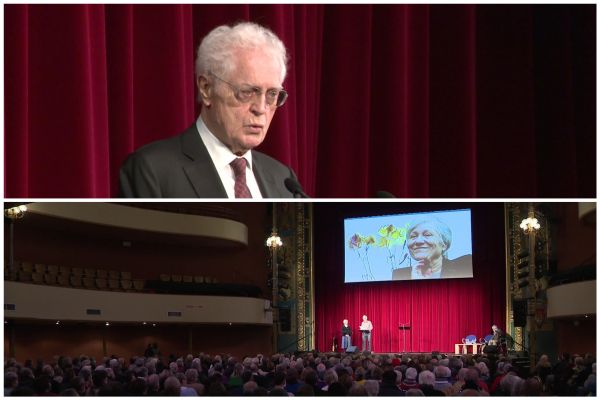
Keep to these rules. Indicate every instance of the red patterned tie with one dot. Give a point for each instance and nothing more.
(239, 169)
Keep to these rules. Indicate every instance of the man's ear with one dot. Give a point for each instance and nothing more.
(204, 90)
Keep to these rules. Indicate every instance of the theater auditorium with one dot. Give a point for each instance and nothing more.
(289, 298)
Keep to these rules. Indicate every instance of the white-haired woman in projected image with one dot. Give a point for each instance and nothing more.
(428, 241)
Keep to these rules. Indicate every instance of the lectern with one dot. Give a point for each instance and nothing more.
(404, 328)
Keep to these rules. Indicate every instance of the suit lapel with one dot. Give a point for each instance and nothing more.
(264, 179)
(201, 172)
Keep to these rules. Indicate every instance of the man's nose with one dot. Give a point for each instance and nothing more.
(259, 104)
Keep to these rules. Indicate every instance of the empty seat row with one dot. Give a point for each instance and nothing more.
(187, 278)
(80, 282)
(29, 267)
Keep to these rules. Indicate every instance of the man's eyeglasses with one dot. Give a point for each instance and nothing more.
(245, 93)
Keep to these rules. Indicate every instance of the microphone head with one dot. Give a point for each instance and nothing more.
(295, 188)
(292, 185)
(384, 195)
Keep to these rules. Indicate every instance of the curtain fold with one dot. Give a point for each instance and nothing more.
(416, 100)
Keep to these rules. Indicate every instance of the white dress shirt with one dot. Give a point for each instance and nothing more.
(366, 326)
(221, 157)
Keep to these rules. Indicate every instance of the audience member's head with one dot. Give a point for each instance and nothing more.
(172, 386)
(278, 391)
(531, 387)
(11, 380)
(510, 384)
(372, 387)
(426, 378)
(217, 389)
(249, 387)
(442, 372)
(305, 390)
(389, 377)
(411, 375)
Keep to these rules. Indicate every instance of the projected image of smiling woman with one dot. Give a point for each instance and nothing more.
(428, 242)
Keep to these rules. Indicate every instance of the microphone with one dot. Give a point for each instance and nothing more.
(294, 187)
(382, 194)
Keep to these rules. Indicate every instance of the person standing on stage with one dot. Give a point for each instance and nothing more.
(366, 327)
(346, 335)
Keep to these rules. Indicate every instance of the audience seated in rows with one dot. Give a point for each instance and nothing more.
(308, 374)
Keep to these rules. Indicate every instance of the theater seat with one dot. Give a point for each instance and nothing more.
(165, 278)
(26, 267)
(113, 284)
(198, 279)
(126, 284)
(63, 280)
(89, 283)
(36, 277)
(39, 268)
(50, 279)
(188, 279)
(75, 281)
(139, 284)
(24, 276)
(90, 272)
(53, 269)
(101, 283)
(102, 273)
(176, 278)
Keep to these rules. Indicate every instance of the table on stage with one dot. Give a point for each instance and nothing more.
(475, 348)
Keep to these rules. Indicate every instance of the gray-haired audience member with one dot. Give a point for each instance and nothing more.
(372, 387)
(232, 378)
(426, 378)
(442, 378)
(172, 387)
(249, 388)
(11, 381)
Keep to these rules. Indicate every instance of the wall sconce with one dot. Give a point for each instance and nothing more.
(17, 212)
(274, 241)
(530, 224)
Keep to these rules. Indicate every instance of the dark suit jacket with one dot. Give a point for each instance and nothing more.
(458, 268)
(181, 167)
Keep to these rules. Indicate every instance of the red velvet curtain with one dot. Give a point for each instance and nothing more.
(440, 313)
(418, 100)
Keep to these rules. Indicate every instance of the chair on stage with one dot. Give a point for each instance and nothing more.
(469, 340)
(486, 339)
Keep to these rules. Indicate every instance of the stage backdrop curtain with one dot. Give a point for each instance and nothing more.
(439, 312)
(417, 100)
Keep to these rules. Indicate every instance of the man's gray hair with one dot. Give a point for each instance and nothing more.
(426, 378)
(372, 387)
(215, 53)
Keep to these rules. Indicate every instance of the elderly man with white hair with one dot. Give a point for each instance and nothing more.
(426, 382)
(410, 380)
(372, 387)
(442, 379)
(240, 71)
